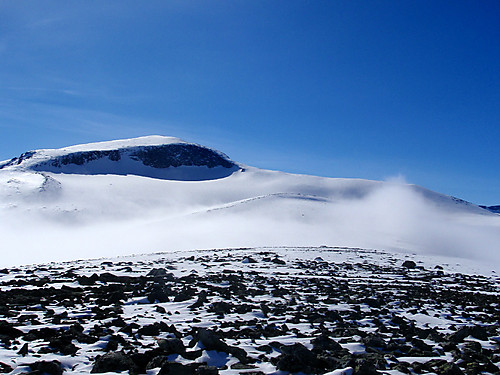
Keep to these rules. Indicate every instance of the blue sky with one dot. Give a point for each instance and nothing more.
(366, 89)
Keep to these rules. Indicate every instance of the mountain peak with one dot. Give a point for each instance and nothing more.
(151, 156)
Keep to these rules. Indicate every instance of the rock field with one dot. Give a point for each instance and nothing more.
(250, 311)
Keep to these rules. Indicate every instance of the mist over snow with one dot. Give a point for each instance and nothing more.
(52, 214)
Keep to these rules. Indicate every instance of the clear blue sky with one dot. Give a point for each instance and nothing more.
(367, 89)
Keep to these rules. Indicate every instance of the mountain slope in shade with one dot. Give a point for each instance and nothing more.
(165, 194)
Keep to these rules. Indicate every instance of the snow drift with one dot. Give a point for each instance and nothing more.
(161, 194)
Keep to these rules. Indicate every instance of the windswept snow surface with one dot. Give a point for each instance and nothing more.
(47, 216)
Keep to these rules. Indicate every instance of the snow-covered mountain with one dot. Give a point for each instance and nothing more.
(158, 157)
(161, 194)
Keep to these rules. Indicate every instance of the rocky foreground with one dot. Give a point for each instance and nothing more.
(249, 311)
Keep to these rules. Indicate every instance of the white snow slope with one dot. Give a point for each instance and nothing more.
(107, 207)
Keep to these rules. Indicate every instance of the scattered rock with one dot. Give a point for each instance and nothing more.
(300, 300)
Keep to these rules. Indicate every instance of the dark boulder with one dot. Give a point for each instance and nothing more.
(363, 367)
(5, 368)
(113, 362)
(208, 370)
(157, 361)
(325, 343)
(374, 341)
(449, 369)
(477, 332)
(160, 272)
(211, 341)
(160, 309)
(24, 350)
(296, 358)
(175, 368)
(63, 345)
(183, 295)
(87, 281)
(46, 367)
(202, 298)
(172, 346)
(220, 308)
(9, 331)
(410, 264)
(278, 261)
(41, 334)
(149, 330)
(158, 294)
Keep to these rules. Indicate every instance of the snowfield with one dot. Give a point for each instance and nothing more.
(190, 263)
(124, 197)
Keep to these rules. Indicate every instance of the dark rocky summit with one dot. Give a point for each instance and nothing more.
(127, 160)
(162, 156)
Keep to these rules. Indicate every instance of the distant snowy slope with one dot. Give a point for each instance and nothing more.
(195, 197)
